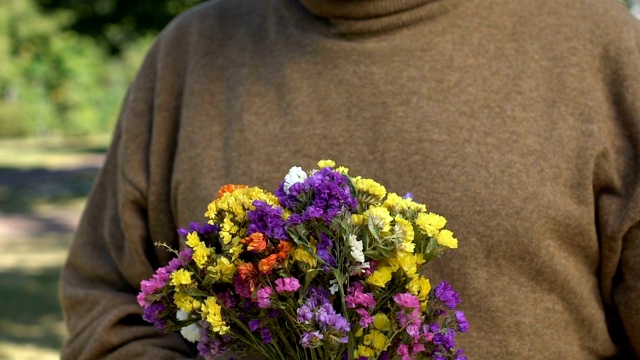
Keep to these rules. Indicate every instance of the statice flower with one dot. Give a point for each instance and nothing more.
(153, 314)
(322, 196)
(445, 293)
(295, 175)
(311, 339)
(266, 219)
(356, 248)
(289, 284)
(463, 324)
(265, 334)
(264, 300)
(357, 297)
(324, 250)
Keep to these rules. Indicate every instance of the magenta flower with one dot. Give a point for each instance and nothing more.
(264, 300)
(289, 284)
(365, 318)
(356, 296)
(407, 300)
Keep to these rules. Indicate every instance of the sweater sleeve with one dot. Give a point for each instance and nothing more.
(618, 204)
(113, 247)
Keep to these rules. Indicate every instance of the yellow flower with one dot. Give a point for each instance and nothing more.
(342, 170)
(302, 255)
(404, 230)
(326, 163)
(181, 277)
(365, 351)
(406, 261)
(380, 277)
(430, 223)
(235, 252)
(185, 302)
(201, 255)
(419, 286)
(376, 339)
(357, 219)
(403, 207)
(381, 322)
(445, 238)
(193, 240)
(211, 311)
(369, 191)
(223, 270)
(380, 218)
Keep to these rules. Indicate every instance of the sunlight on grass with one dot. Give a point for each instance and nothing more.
(43, 188)
(13, 351)
(51, 153)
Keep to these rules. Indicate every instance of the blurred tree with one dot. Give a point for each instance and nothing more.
(54, 81)
(118, 22)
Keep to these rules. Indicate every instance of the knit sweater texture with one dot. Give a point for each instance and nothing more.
(519, 121)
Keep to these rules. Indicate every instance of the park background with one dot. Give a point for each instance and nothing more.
(65, 66)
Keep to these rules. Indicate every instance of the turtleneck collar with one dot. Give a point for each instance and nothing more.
(358, 17)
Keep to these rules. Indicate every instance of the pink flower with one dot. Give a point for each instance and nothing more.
(289, 284)
(407, 300)
(403, 351)
(365, 318)
(356, 296)
(263, 297)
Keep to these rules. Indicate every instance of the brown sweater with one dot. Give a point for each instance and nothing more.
(517, 120)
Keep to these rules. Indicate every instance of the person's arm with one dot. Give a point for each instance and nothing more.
(113, 249)
(617, 195)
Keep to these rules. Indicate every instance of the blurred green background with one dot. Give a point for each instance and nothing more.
(64, 68)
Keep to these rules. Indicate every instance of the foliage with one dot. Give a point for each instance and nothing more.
(117, 23)
(54, 81)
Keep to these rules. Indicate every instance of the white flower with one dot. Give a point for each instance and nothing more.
(356, 248)
(191, 332)
(295, 175)
(334, 286)
(182, 315)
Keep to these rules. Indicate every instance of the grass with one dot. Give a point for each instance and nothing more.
(43, 187)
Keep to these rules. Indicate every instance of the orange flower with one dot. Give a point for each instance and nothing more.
(257, 242)
(284, 247)
(229, 188)
(246, 271)
(265, 265)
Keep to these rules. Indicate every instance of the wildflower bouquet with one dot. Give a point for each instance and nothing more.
(327, 267)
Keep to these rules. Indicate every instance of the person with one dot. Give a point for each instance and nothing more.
(519, 121)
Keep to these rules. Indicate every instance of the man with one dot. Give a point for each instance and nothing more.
(517, 121)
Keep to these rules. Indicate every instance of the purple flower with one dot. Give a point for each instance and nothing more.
(463, 324)
(311, 339)
(265, 334)
(266, 219)
(408, 196)
(323, 249)
(445, 339)
(445, 293)
(263, 295)
(459, 355)
(322, 196)
(209, 348)
(289, 284)
(305, 313)
(153, 312)
(254, 325)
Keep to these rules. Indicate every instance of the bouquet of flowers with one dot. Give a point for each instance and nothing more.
(327, 267)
